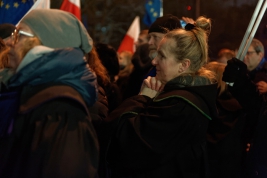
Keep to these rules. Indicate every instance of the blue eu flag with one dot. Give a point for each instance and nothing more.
(152, 8)
(11, 11)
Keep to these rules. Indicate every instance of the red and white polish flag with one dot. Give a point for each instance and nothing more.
(131, 37)
(72, 6)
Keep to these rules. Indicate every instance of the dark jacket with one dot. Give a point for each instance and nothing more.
(225, 142)
(164, 136)
(255, 129)
(52, 135)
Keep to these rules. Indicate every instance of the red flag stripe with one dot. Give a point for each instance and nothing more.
(131, 36)
(72, 8)
(127, 44)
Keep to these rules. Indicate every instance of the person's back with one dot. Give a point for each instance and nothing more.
(52, 135)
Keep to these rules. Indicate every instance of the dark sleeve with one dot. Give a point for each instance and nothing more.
(55, 140)
(99, 111)
(246, 94)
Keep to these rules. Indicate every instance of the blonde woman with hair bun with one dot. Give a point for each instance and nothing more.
(162, 131)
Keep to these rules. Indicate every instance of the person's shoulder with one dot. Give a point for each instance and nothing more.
(53, 98)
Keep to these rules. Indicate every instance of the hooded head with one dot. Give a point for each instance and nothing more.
(58, 29)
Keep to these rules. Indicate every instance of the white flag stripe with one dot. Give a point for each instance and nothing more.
(134, 29)
(76, 2)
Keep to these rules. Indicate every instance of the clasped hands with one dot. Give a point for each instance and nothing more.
(151, 87)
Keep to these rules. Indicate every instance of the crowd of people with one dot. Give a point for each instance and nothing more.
(74, 107)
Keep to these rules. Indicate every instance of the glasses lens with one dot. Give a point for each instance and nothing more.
(14, 36)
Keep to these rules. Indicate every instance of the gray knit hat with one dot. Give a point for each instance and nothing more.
(58, 29)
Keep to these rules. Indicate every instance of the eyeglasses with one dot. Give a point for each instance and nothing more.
(250, 52)
(16, 34)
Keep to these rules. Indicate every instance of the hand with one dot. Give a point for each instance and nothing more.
(234, 70)
(262, 87)
(151, 87)
(188, 20)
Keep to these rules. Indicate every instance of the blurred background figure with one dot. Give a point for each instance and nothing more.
(224, 55)
(109, 58)
(226, 147)
(126, 68)
(141, 65)
(246, 76)
(142, 38)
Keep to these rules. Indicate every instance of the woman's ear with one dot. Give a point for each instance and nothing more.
(186, 64)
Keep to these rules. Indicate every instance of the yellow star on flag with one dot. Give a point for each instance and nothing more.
(155, 14)
(2, 3)
(152, 10)
(150, 3)
(24, 1)
(7, 6)
(16, 5)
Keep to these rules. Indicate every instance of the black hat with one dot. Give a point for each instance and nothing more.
(166, 22)
(6, 29)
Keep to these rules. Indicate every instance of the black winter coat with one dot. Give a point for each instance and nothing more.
(164, 136)
(52, 137)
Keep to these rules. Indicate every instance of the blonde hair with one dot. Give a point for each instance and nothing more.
(128, 55)
(192, 44)
(218, 69)
(129, 66)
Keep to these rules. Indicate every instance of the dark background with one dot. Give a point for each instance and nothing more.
(107, 21)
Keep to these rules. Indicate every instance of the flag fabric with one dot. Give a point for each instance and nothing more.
(39, 4)
(152, 11)
(11, 11)
(131, 36)
(72, 6)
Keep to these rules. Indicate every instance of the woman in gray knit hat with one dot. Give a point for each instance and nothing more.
(52, 134)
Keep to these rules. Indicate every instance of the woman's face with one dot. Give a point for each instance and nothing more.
(165, 62)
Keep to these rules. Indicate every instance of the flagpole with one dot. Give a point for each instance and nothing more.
(251, 29)
(161, 8)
